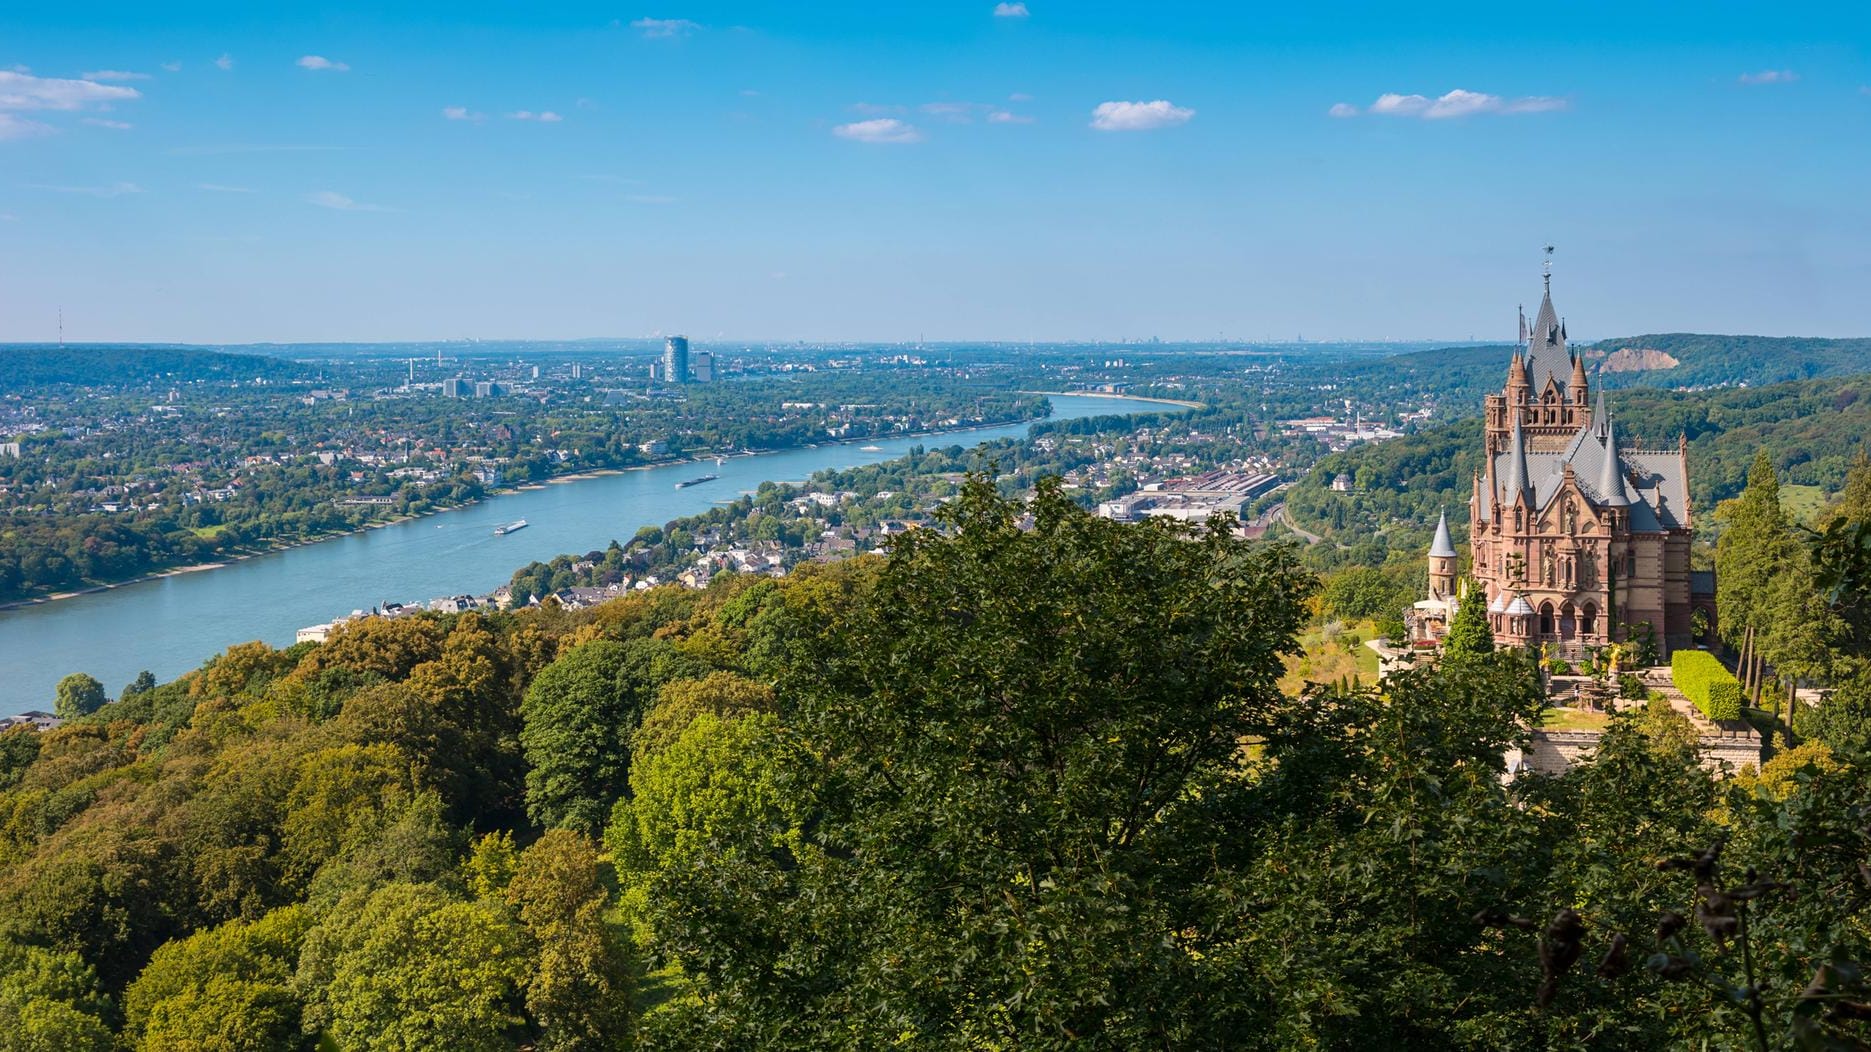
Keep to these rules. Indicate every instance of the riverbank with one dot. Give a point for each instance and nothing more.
(1120, 397)
(242, 555)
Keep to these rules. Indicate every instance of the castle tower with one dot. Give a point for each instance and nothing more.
(1442, 560)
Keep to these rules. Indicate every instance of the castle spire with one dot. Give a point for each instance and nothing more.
(1578, 383)
(1517, 487)
(1443, 547)
(1611, 473)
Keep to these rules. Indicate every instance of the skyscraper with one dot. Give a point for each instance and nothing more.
(676, 360)
(702, 367)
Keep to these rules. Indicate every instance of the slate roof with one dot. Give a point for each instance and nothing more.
(1547, 356)
(1444, 545)
(1654, 484)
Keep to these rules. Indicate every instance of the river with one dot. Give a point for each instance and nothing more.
(172, 624)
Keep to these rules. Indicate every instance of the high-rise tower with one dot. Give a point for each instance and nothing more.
(676, 360)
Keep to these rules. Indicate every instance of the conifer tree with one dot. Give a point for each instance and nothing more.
(1469, 633)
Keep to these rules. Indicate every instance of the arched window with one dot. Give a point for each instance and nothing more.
(1588, 624)
(1568, 622)
(1546, 619)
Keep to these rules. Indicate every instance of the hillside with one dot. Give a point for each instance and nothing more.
(888, 803)
(44, 365)
(1811, 428)
(1684, 359)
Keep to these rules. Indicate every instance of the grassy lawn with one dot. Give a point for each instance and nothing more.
(209, 533)
(1803, 503)
(1327, 662)
(1568, 719)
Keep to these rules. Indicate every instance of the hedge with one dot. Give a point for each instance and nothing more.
(1703, 680)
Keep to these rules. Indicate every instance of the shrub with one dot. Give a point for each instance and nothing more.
(1703, 680)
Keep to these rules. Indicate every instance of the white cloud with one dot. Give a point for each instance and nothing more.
(113, 190)
(7, 217)
(23, 91)
(12, 127)
(115, 125)
(1013, 10)
(318, 63)
(1139, 116)
(226, 61)
(1019, 96)
(880, 130)
(1769, 76)
(1342, 110)
(338, 202)
(952, 112)
(217, 188)
(462, 113)
(664, 28)
(1458, 103)
(544, 116)
(1004, 117)
(113, 74)
(1394, 105)
(172, 67)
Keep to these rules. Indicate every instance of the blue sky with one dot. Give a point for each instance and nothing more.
(1053, 170)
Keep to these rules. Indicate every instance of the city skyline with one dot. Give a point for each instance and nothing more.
(202, 173)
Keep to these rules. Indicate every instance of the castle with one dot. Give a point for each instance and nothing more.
(1577, 538)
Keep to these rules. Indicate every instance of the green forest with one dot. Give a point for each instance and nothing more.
(894, 802)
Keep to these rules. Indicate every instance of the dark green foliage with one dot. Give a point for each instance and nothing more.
(1469, 634)
(1705, 681)
(78, 695)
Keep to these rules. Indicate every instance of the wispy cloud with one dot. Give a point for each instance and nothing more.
(172, 67)
(664, 28)
(1019, 96)
(113, 190)
(1139, 116)
(210, 151)
(113, 74)
(319, 63)
(1008, 117)
(226, 61)
(113, 125)
(23, 91)
(543, 117)
(340, 203)
(952, 112)
(462, 113)
(217, 188)
(880, 130)
(1013, 10)
(12, 127)
(1769, 76)
(1458, 103)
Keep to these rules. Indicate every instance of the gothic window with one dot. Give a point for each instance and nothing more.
(1630, 565)
(1588, 624)
(1546, 619)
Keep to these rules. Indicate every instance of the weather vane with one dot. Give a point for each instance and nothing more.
(1548, 272)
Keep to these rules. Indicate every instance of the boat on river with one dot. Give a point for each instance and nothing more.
(696, 481)
(502, 531)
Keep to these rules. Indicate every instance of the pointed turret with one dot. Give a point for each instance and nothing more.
(1517, 487)
(1611, 473)
(1517, 379)
(1578, 383)
(1442, 547)
(1599, 417)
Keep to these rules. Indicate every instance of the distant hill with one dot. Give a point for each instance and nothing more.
(1811, 428)
(24, 366)
(1686, 359)
(1462, 376)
